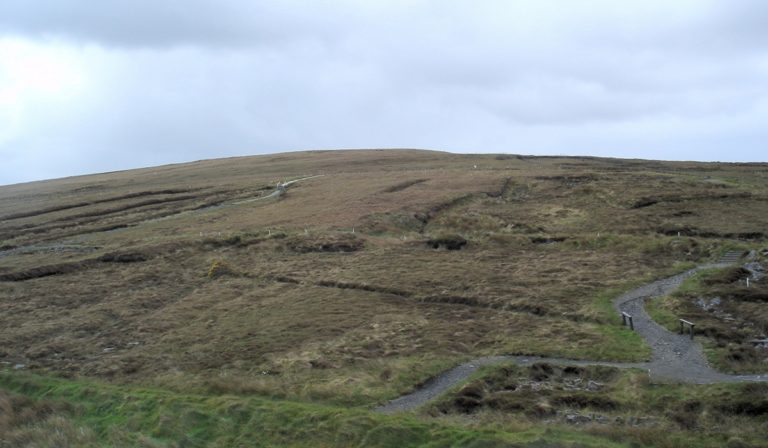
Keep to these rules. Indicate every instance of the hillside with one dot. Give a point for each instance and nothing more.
(200, 288)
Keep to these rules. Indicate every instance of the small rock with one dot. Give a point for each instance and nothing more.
(108, 349)
(594, 386)
(19, 366)
(708, 305)
(576, 419)
(756, 270)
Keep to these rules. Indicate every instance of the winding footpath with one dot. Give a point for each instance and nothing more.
(674, 357)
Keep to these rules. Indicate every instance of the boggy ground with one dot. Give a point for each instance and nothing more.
(334, 292)
(613, 402)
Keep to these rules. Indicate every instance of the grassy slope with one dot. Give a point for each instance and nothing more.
(550, 242)
(97, 414)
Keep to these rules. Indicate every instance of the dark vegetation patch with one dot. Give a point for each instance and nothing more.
(645, 202)
(448, 242)
(122, 208)
(403, 185)
(648, 201)
(510, 157)
(538, 390)
(522, 227)
(547, 239)
(502, 192)
(46, 271)
(425, 218)
(363, 287)
(54, 229)
(683, 213)
(125, 257)
(444, 299)
(241, 240)
(569, 181)
(584, 400)
(726, 276)
(756, 406)
(284, 279)
(390, 223)
(332, 243)
(693, 231)
(59, 208)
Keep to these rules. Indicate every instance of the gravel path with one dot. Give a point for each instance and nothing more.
(674, 357)
(439, 384)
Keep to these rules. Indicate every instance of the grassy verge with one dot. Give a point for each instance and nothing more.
(107, 415)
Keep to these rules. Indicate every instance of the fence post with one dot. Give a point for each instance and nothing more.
(691, 326)
(624, 317)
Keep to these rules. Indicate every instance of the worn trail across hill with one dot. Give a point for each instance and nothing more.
(674, 357)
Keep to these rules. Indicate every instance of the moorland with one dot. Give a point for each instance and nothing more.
(198, 304)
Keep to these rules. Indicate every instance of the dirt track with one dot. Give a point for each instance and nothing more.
(674, 357)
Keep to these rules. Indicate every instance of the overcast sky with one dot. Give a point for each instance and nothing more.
(91, 86)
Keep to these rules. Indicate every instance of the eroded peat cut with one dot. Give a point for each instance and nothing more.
(286, 290)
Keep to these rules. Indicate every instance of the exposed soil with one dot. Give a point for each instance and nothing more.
(403, 185)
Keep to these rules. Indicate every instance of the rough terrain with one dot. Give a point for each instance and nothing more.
(675, 357)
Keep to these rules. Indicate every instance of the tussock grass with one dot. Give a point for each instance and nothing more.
(628, 407)
(118, 416)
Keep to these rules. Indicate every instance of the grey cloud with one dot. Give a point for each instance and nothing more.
(173, 81)
(147, 23)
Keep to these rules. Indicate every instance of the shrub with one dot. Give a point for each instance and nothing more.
(219, 268)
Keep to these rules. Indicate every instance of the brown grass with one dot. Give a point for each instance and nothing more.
(339, 316)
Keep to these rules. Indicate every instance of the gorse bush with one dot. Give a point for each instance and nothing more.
(219, 268)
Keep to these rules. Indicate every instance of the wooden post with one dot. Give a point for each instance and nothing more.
(691, 326)
(624, 318)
